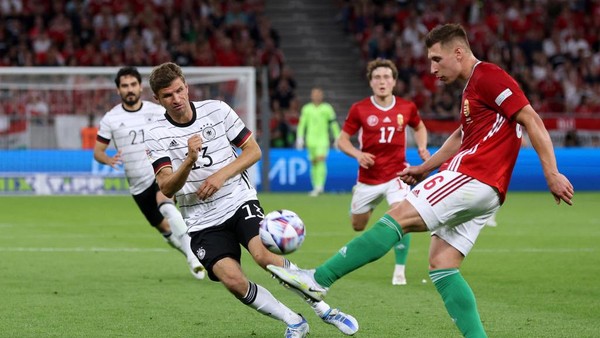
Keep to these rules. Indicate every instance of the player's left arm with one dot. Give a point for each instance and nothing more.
(250, 154)
(558, 184)
(334, 126)
(421, 141)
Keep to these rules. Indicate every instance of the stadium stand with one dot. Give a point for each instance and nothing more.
(552, 47)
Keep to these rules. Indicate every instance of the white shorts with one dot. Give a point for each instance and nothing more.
(366, 197)
(455, 207)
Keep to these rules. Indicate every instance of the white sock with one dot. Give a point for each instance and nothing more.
(320, 308)
(399, 269)
(179, 239)
(263, 301)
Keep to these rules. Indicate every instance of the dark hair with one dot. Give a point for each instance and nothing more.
(446, 33)
(163, 75)
(381, 63)
(127, 71)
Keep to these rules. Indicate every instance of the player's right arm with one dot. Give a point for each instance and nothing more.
(101, 156)
(414, 174)
(170, 181)
(365, 160)
(558, 184)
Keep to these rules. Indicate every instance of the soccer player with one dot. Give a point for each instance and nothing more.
(317, 118)
(125, 125)
(381, 121)
(192, 150)
(455, 203)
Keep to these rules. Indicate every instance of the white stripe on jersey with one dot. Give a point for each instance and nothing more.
(455, 163)
(499, 122)
(218, 125)
(126, 129)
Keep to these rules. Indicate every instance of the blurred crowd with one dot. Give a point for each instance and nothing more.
(551, 47)
(200, 33)
(137, 32)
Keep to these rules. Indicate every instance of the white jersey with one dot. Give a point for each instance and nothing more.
(220, 129)
(127, 131)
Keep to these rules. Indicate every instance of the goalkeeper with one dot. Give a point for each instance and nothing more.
(317, 118)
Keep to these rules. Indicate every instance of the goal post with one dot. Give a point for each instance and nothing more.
(45, 107)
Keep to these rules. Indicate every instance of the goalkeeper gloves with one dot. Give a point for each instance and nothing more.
(299, 143)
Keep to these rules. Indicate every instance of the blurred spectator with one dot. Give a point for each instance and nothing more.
(445, 106)
(89, 133)
(271, 57)
(283, 96)
(281, 132)
(572, 139)
(37, 108)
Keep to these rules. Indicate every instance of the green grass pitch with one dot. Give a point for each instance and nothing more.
(92, 267)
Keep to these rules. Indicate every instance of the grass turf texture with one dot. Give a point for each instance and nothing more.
(92, 267)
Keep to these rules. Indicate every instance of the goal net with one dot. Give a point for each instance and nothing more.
(46, 107)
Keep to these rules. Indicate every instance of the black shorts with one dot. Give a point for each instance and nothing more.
(146, 201)
(215, 243)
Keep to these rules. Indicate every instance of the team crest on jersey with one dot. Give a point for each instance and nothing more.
(400, 119)
(467, 111)
(372, 120)
(200, 253)
(209, 133)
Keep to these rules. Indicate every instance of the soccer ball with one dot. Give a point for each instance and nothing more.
(282, 231)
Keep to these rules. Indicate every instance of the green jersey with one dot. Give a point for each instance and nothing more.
(315, 123)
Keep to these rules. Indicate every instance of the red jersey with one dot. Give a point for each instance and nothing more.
(382, 133)
(491, 138)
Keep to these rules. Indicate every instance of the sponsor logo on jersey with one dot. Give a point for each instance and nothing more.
(173, 144)
(416, 192)
(387, 120)
(372, 120)
(343, 251)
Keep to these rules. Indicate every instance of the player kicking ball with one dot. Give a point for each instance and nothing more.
(453, 204)
(192, 151)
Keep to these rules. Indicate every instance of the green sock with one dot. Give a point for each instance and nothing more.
(459, 300)
(319, 174)
(368, 247)
(401, 249)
